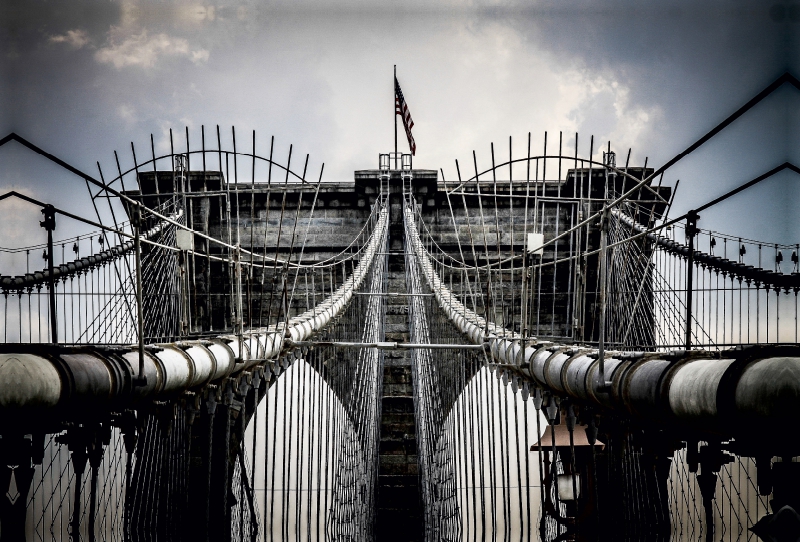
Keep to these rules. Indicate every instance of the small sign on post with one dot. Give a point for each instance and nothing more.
(184, 239)
(535, 243)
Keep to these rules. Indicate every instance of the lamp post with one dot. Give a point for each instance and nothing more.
(573, 486)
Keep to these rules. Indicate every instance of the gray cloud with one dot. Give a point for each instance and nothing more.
(74, 38)
(473, 73)
(144, 50)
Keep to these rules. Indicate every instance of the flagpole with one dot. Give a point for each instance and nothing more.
(394, 84)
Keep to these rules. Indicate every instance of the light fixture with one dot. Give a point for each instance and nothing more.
(564, 482)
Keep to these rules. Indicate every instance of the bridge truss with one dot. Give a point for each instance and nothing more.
(585, 367)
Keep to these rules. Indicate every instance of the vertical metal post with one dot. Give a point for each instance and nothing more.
(183, 264)
(77, 447)
(601, 345)
(95, 455)
(394, 85)
(571, 419)
(49, 223)
(691, 231)
(238, 315)
(141, 379)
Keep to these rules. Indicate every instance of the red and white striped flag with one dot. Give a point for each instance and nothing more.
(401, 108)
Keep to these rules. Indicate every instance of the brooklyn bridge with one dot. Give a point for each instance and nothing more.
(226, 346)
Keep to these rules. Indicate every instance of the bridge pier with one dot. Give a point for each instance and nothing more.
(201, 450)
(215, 446)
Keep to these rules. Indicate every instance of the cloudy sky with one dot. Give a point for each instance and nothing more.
(85, 78)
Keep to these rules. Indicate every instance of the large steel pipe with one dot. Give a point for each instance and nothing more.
(42, 377)
(746, 389)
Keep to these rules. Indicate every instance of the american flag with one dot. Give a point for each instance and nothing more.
(401, 108)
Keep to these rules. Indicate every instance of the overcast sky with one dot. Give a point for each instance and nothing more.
(85, 78)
